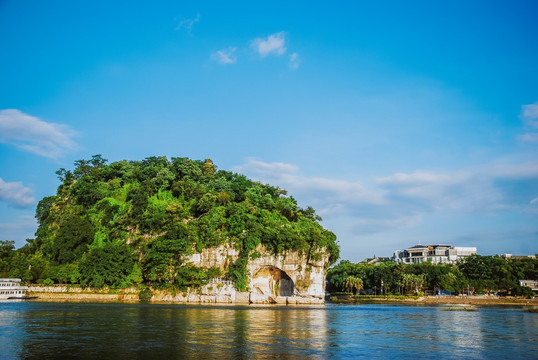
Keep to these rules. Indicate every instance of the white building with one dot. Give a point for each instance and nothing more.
(435, 254)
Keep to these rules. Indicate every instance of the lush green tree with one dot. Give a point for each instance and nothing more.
(6, 254)
(163, 260)
(111, 264)
(72, 239)
(64, 274)
(353, 283)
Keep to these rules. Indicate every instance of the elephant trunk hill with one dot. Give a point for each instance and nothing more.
(177, 229)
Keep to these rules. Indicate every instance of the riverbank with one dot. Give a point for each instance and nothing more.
(461, 300)
(217, 294)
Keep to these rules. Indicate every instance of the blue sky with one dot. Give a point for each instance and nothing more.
(399, 123)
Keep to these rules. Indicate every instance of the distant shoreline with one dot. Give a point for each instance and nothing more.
(441, 300)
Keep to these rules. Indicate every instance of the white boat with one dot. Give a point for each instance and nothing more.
(12, 289)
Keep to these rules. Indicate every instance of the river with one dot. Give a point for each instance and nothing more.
(40, 330)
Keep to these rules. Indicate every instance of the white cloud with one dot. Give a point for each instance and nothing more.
(264, 168)
(15, 194)
(225, 56)
(273, 44)
(34, 135)
(529, 115)
(295, 61)
(418, 177)
(430, 191)
(534, 201)
(188, 24)
(479, 190)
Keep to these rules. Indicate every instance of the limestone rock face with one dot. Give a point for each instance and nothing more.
(220, 257)
(285, 278)
(287, 274)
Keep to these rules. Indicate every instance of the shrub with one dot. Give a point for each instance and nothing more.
(145, 294)
(48, 282)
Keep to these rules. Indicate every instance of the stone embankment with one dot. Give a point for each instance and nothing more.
(213, 293)
(75, 293)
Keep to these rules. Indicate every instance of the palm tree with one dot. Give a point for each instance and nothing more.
(353, 282)
(413, 282)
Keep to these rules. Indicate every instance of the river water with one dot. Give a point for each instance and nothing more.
(39, 330)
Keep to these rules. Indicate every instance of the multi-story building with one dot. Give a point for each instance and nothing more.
(436, 254)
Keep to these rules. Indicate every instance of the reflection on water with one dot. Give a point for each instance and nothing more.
(286, 332)
(120, 331)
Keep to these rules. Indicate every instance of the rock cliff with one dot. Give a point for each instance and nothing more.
(289, 277)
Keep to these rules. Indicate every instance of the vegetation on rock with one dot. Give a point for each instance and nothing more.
(132, 222)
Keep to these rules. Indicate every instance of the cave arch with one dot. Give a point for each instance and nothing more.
(271, 281)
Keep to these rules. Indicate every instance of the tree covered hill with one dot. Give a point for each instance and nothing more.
(129, 222)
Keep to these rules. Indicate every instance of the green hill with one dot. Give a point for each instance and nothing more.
(130, 222)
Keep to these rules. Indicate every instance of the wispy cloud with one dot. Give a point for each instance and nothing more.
(273, 44)
(372, 225)
(529, 115)
(267, 169)
(295, 61)
(333, 193)
(526, 170)
(34, 135)
(531, 138)
(188, 24)
(16, 194)
(426, 192)
(225, 56)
